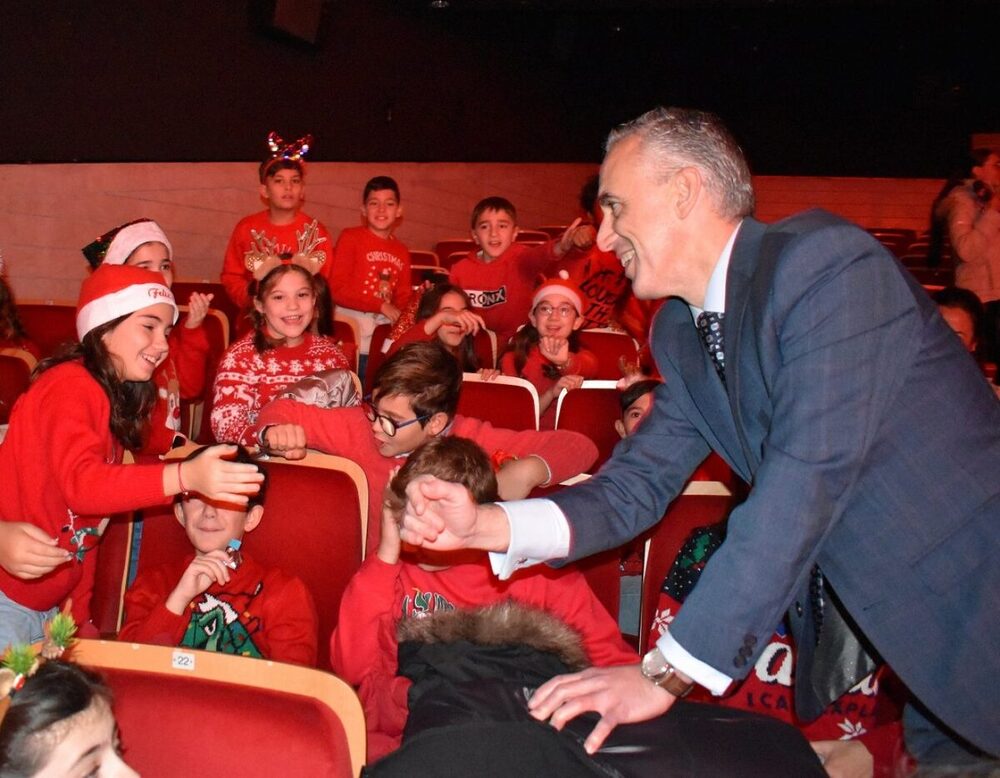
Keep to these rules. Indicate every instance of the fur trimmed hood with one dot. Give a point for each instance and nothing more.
(504, 623)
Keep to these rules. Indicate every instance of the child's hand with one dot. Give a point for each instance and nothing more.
(555, 350)
(390, 311)
(488, 373)
(576, 236)
(518, 477)
(569, 382)
(199, 576)
(285, 440)
(198, 305)
(844, 758)
(219, 479)
(27, 552)
(464, 321)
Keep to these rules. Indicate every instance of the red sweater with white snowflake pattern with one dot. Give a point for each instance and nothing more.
(247, 380)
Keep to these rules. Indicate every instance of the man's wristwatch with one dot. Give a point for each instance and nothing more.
(662, 673)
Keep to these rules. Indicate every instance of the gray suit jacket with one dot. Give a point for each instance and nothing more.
(871, 443)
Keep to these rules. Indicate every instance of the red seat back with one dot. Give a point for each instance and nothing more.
(49, 325)
(15, 376)
(609, 348)
(506, 402)
(592, 410)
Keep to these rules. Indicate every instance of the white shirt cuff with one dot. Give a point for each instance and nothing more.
(700, 673)
(538, 532)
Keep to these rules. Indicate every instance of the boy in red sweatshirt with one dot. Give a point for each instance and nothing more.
(501, 276)
(281, 231)
(399, 584)
(371, 267)
(218, 598)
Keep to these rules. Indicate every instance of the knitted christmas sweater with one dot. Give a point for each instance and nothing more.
(236, 277)
(61, 471)
(348, 433)
(501, 290)
(369, 270)
(363, 646)
(247, 381)
(582, 362)
(261, 612)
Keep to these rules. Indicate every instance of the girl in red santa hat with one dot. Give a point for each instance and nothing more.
(61, 462)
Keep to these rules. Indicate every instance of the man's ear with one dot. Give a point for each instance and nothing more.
(688, 187)
(254, 515)
(179, 511)
(620, 428)
(436, 424)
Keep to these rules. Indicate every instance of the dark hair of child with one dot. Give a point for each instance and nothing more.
(449, 458)
(493, 204)
(29, 731)
(10, 323)
(588, 193)
(243, 457)
(426, 373)
(270, 167)
(966, 300)
(323, 317)
(429, 305)
(525, 339)
(131, 401)
(635, 391)
(260, 290)
(379, 183)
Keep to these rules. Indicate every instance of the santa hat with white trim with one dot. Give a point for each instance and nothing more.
(561, 285)
(112, 291)
(115, 246)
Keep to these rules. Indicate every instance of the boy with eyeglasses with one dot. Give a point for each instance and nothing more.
(414, 397)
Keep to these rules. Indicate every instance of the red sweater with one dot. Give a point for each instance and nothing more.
(247, 381)
(346, 432)
(181, 376)
(60, 466)
(582, 362)
(501, 290)
(235, 276)
(363, 646)
(261, 612)
(368, 270)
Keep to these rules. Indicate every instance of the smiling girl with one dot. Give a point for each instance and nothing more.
(546, 351)
(61, 462)
(280, 351)
(444, 315)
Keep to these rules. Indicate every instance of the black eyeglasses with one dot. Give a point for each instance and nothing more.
(389, 425)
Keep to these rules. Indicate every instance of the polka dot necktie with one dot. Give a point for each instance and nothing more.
(710, 328)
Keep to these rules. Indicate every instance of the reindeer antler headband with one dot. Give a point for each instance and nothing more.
(294, 152)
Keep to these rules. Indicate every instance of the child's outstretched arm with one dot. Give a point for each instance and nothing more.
(213, 476)
(27, 552)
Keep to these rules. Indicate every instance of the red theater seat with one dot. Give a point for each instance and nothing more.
(421, 257)
(610, 347)
(184, 713)
(49, 325)
(506, 401)
(592, 410)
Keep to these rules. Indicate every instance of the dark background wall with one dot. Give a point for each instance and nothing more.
(809, 88)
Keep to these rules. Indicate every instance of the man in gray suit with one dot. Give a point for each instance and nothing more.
(830, 384)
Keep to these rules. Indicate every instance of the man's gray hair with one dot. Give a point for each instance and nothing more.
(680, 137)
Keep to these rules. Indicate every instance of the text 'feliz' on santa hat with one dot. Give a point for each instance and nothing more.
(115, 246)
(112, 291)
(563, 286)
